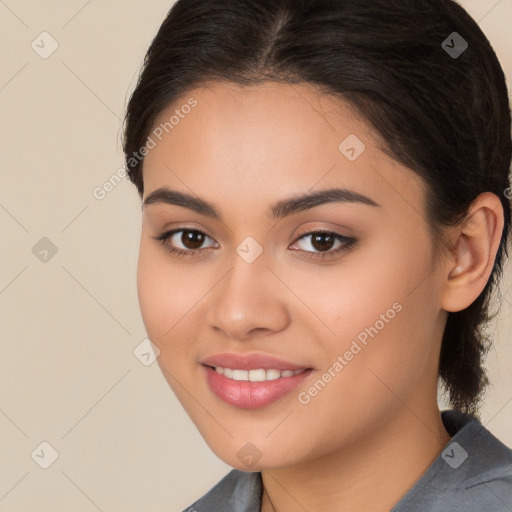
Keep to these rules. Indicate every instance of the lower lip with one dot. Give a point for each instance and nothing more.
(252, 395)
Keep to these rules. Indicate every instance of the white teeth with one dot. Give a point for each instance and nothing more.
(258, 375)
(273, 374)
(240, 375)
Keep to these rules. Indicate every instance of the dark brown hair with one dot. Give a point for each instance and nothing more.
(444, 115)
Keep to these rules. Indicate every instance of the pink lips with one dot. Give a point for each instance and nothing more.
(247, 394)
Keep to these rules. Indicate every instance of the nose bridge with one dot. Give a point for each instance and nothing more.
(247, 297)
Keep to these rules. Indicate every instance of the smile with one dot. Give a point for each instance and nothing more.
(255, 388)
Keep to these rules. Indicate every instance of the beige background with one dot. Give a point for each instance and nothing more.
(69, 325)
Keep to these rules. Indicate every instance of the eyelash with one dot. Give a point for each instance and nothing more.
(347, 243)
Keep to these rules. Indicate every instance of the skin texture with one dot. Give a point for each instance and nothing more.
(375, 428)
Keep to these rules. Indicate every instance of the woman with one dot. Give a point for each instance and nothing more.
(325, 215)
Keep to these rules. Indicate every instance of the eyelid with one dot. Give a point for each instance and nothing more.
(346, 243)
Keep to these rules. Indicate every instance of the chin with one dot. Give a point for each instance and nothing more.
(246, 456)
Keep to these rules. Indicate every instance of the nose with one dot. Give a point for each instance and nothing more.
(249, 301)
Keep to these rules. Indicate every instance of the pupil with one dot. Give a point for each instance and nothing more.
(188, 237)
(324, 246)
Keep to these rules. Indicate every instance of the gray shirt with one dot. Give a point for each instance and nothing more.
(473, 473)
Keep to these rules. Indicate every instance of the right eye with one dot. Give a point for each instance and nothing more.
(192, 237)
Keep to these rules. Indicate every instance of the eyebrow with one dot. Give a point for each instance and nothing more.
(278, 210)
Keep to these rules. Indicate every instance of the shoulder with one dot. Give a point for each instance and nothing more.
(473, 472)
(488, 476)
(238, 491)
(477, 451)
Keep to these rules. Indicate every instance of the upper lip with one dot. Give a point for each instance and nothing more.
(250, 362)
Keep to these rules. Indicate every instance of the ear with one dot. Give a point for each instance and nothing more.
(474, 246)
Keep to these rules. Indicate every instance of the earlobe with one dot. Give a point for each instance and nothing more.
(474, 253)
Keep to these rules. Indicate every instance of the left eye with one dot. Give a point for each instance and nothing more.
(323, 241)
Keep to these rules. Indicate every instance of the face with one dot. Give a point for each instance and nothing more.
(341, 287)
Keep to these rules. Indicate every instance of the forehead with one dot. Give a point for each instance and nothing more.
(248, 141)
(264, 111)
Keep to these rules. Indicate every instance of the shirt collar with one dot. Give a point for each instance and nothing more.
(476, 454)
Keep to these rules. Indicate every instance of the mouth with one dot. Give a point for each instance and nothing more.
(255, 388)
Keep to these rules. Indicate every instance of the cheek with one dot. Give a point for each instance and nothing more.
(343, 300)
(383, 357)
(151, 288)
(372, 309)
(165, 295)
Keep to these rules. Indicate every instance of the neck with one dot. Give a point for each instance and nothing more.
(371, 474)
